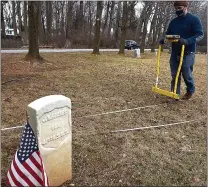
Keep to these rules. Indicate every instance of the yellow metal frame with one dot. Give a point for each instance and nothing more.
(165, 92)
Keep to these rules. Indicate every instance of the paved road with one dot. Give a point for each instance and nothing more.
(58, 50)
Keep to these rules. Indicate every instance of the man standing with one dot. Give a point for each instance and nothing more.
(189, 27)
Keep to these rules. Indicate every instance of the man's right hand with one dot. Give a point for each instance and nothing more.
(162, 41)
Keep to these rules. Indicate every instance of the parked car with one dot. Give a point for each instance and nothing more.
(131, 44)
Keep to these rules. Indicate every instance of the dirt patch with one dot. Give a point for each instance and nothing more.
(174, 155)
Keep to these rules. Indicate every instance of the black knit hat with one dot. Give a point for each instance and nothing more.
(181, 3)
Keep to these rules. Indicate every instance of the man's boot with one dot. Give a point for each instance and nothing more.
(187, 96)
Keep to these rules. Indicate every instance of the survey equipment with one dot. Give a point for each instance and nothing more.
(172, 94)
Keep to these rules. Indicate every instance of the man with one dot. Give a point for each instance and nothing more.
(190, 29)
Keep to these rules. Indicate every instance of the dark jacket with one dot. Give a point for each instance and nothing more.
(188, 27)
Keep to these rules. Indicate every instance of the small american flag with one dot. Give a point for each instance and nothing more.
(27, 168)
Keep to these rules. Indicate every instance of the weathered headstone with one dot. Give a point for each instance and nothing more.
(50, 119)
(137, 53)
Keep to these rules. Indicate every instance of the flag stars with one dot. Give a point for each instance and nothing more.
(28, 144)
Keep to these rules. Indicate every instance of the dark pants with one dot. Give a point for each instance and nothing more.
(186, 71)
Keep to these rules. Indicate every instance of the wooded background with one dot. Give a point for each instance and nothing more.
(91, 24)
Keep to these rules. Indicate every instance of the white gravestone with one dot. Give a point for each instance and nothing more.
(50, 119)
(137, 53)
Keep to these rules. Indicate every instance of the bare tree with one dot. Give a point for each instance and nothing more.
(42, 30)
(132, 13)
(111, 19)
(106, 17)
(117, 24)
(146, 13)
(34, 22)
(81, 17)
(90, 22)
(69, 24)
(91, 9)
(2, 19)
(48, 21)
(25, 35)
(123, 27)
(97, 27)
(153, 27)
(19, 18)
(14, 23)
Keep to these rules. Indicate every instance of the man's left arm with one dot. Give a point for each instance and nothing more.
(198, 32)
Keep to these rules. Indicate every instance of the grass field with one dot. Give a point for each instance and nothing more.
(174, 155)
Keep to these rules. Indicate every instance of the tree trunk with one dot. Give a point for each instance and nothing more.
(90, 24)
(34, 22)
(62, 21)
(97, 27)
(69, 25)
(76, 23)
(145, 21)
(48, 21)
(3, 34)
(41, 27)
(140, 23)
(153, 26)
(106, 19)
(124, 27)
(14, 18)
(144, 34)
(132, 16)
(25, 35)
(81, 17)
(19, 18)
(118, 15)
(57, 18)
(111, 21)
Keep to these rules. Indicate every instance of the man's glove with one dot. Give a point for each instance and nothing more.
(162, 41)
(183, 41)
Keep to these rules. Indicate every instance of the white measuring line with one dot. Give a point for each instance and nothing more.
(10, 128)
(126, 110)
(117, 111)
(113, 112)
(156, 126)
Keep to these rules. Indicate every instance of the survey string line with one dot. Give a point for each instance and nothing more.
(100, 114)
(143, 128)
(158, 126)
(119, 111)
(94, 115)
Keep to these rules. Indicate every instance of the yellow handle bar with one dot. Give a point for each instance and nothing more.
(179, 67)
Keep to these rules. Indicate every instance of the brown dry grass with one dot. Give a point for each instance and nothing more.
(174, 155)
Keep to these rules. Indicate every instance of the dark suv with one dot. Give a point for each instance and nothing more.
(131, 44)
